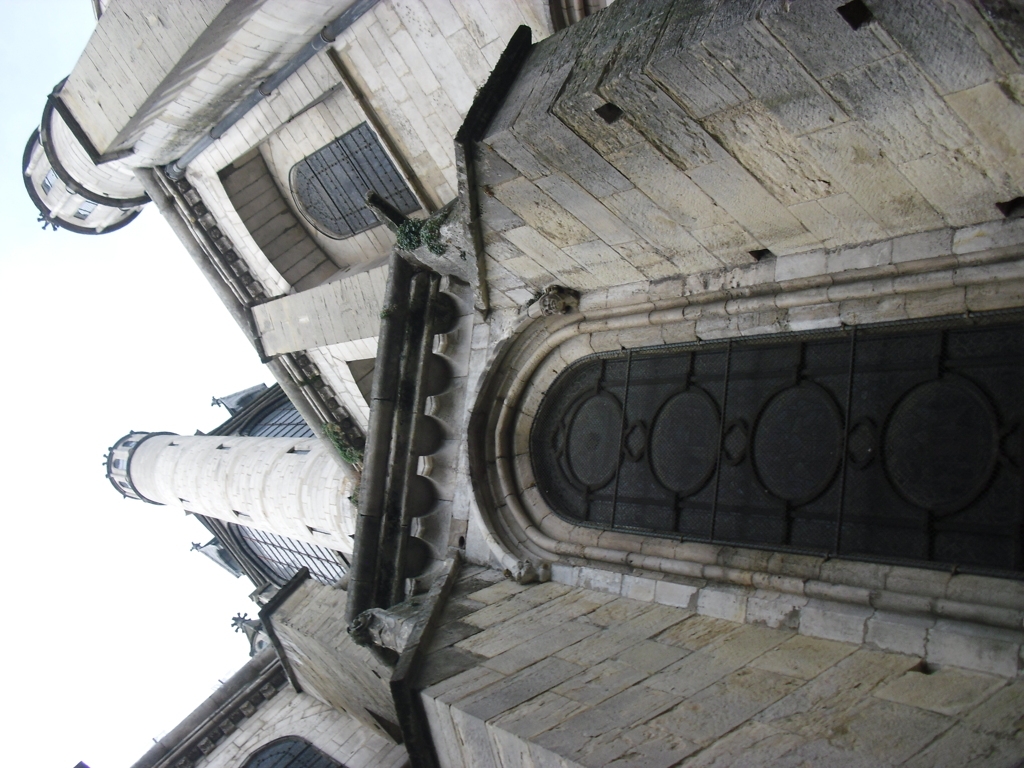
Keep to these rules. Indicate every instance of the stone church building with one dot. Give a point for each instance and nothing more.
(650, 378)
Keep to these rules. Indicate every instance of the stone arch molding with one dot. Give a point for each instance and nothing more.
(779, 589)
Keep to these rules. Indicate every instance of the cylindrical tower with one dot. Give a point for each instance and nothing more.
(74, 186)
(285, 485)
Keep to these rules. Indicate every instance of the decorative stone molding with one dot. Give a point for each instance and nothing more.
(557, 300)
(225, 249)
(203, 741)
(910, 610)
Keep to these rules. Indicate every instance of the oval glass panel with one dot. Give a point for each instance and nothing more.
(684, 440)
(940, 445)
(797, 443)
(593, 440)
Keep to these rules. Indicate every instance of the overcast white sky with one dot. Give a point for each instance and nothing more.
(112, 630)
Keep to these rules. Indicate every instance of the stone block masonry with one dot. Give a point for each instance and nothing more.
(661, 138)
(300, 715)
(289, 486)
(548, 675)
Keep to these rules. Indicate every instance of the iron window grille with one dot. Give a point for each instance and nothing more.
(330, 185)
(283, 557)
(279, 421)
(900, 443)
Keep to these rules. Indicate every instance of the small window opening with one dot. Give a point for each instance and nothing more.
(241, 515)
(1012, 209)
(856, 14)
(85, 209)
(129, 443)
(124, 485)
(609, 112)
(318, 530)
(184, 501)
(298, 450)
(48, 182)
(118, 464)
(761, 253)
(223, 447)
(172, 445)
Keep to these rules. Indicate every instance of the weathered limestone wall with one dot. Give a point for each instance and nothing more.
(274, 226)
(549, 675)
(128, 36)
(660, 138)
(341, 311)
(965, 620)
(298, 714)
(312, 629)
(334, 323)
(181, 67)
(289, 486)
(418, 65)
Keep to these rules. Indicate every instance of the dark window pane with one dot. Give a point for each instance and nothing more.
(330, 185)
(899, 443)
(290, 753)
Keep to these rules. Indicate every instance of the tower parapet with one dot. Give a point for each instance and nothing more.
(71, 183)
(119, 458)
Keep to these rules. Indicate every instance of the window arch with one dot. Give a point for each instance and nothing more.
(290, 752)
(330, 185)
(897, 443)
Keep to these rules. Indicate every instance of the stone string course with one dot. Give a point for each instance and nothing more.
(569, 676)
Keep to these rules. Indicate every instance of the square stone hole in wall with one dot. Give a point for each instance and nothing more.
(609, 112)
(1012, 209)
(856, 14)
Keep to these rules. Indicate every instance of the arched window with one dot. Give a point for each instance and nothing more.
(290, 752)
(283, 557)
(895, 443)
(330, 185)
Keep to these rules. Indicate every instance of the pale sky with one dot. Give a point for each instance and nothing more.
(112, 630)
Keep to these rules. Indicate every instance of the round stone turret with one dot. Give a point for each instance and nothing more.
(285, 485)
(71, 183)
(119, 457)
